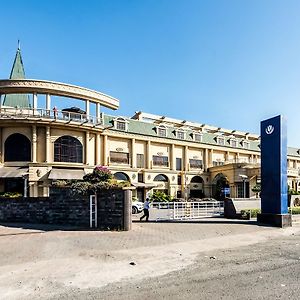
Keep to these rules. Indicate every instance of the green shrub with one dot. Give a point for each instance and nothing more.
(294, 210)
(10, 195)
(246, 213)
(159, 196)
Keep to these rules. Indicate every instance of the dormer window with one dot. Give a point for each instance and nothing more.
(233, 143)
(180, 134)
(198, 137)
(161, 130)
(221, 140)
(246, 144)
(120, 124)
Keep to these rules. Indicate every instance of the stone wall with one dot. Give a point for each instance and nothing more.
(62, 208)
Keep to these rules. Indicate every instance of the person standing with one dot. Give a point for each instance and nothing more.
(146, 210)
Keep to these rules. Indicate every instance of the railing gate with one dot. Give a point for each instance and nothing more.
(93, 211)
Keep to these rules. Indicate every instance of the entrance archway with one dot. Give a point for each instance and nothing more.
(196, 187)
(219, 184)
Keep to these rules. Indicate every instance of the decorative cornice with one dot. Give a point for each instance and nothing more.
(21, 86)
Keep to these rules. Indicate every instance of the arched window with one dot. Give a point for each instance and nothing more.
(161, 177)
(121, 176)
(120, 124)
(17, 147)
(67, 149)
(197, 179)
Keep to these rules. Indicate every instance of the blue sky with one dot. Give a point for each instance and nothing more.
(225, 63)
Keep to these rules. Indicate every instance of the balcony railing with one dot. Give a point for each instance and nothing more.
(25, 113)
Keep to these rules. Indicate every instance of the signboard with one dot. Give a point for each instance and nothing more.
(274, 166)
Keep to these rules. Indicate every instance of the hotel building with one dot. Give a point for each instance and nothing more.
(40, 144)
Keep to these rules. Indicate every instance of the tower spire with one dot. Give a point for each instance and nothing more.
(17, 72)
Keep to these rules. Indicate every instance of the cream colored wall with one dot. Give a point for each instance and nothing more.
(140, 147)
(92, 150)
(161, 149)
(218, 156)
(114, 144)
(195, 153)
(41, 144)
(243, 158)
(178, 152)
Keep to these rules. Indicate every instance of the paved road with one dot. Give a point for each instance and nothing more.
(211, 259)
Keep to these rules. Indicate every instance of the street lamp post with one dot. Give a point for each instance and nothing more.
(244, 177)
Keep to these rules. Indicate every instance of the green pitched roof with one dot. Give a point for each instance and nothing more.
(17, 72)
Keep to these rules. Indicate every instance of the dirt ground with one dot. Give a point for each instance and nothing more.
(211, 259)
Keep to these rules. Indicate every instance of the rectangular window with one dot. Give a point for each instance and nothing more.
(140, 161)
(160, 161)
(180, 134)
(162, 131)
(119, 157)
(221, 140)
(195, 163)
(215, 163)
(178, 164)
(179, 179)
(121, 125)
(233, 143)
(140, 177)
(246, 145)
(198, 137)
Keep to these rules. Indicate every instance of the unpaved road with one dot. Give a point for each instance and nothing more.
(221, 260)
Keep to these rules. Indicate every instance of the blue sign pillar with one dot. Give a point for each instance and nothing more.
(274, 202)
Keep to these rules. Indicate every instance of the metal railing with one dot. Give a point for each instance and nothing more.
(186, 210)
(19, 113)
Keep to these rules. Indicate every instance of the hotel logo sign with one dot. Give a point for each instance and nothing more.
(269, 129)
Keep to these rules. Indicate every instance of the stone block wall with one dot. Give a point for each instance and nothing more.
(62, 208)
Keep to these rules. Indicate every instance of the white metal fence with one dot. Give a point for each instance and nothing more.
(185, 210)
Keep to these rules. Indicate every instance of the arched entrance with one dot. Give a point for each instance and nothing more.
(220, 186)
(196, 187)
(163, 183)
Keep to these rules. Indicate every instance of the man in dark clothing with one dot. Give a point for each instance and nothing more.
(146, 210)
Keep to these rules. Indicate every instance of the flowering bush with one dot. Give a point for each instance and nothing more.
(99, 174)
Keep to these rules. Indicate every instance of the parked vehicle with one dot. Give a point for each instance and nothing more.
(137, 207)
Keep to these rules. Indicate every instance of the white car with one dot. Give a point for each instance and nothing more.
(137, 207)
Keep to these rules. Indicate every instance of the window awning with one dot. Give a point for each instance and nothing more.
(67, 174)
(13, 172)
(144, 185)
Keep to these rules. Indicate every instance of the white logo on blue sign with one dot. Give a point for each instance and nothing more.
(269, 129)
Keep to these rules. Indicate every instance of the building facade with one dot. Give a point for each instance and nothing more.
(40, 144)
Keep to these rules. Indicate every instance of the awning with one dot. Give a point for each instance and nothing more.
(144, 185)
(67, 174)
(13, 172)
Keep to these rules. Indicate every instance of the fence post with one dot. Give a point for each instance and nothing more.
(127, 210)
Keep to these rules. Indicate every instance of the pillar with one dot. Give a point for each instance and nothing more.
(148, 162)
(48, 145)
(105, 154)
(205, 160)
(87, 144)
(172, 158)
(210, 162)
(186, 162)
(87, 108)
(98, 150)
(34, 102)
(34, 144)
(98, 112)
(133, 154)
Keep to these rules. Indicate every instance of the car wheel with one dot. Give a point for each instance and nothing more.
(134, 210)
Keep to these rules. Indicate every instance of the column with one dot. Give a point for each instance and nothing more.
(105, 154)
(48, 145)
(87, 108)
(87, 144)
(186, 158)
(48, 103)
(98, 150)
(172, 158)
(98, 112)
(34, 97)
(34, 144)
(133, 154)
(148, 162)
(210, 162)
(237, 157)
(227, 156)
(205, 160)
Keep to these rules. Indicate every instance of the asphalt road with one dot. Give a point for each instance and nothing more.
(267, 270)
